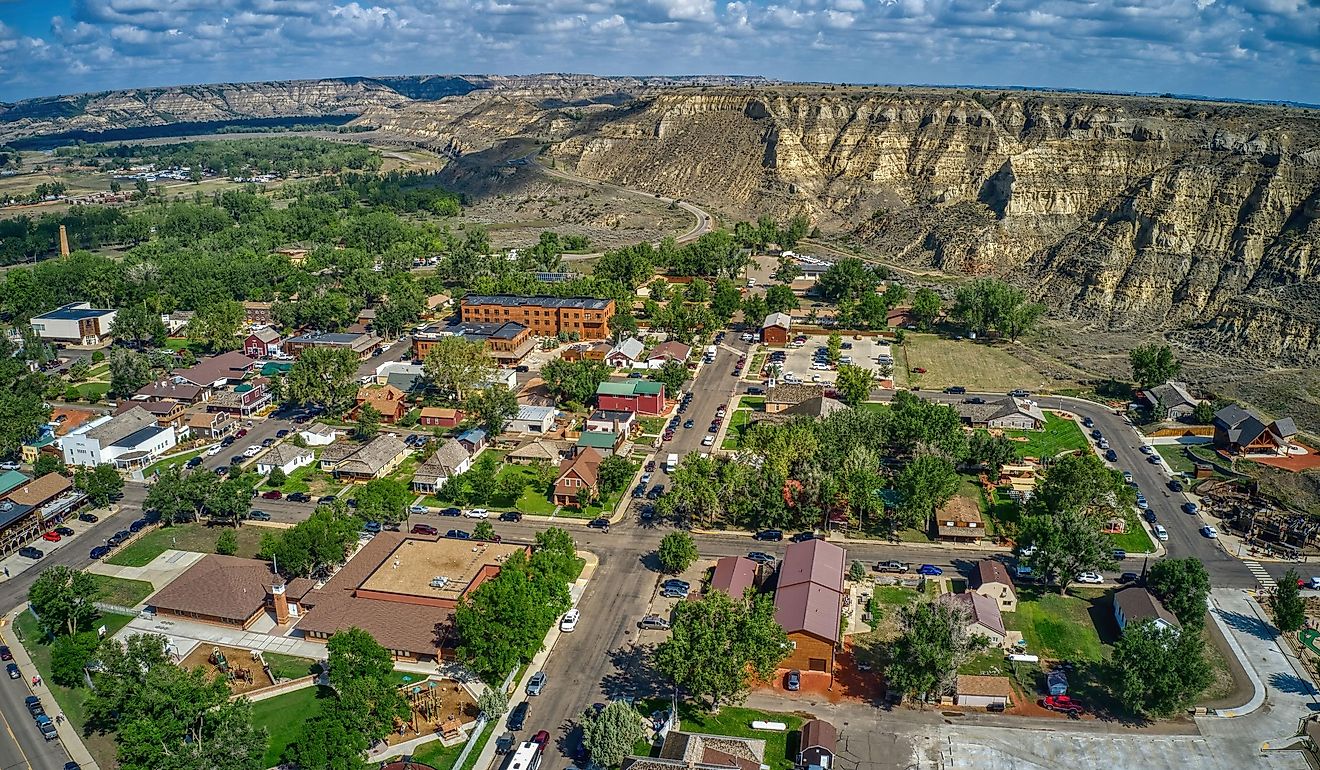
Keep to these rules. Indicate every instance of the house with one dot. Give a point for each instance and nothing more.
(532, 419)
(545, 316)
(605, 442)
(262, 342)
(208, 425)
(10, 480)
(449, 460)
(217, 371)
(538, 451)
(1241, 431)
(287, 457)
(783, 396)
(983, 616)
(808, 603)
(408, 377)
(473, 439)
(817, 745)
(900, 316)
(991, 579)
(1170, 401)
(667, 351)
(174, 322)
(258, 313)
(1007, 413)
(182, 392)
(959, 521)
(77, 323)
(227, 591)
(695, 751)
(245, 400)
(437, 305)
(440, 417)
(389, 401)
(641, 396)
(587, 351)
(507, 342)
(128, 440)
(318, 434)
(983, 691)
(364, 462)
(608, 421)
(1134, 604)
(626, 354)
(167, 413)
(816, 408)
(362, 344)
(575, 474)
(774, 331)
(733, 575)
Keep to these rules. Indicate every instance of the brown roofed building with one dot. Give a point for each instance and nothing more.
(695, 751)
(809, 601)
(387, 400)
(218, 370)
(781, 397)
(1134, 604)
(819, 742)
(183, 392)
(576, 473)
(991, 579)
(440, 416)
(40, 491)
(733, 575)
(365, 462)
(959, 521)
(544, 316)
(983, 691)
(224, 590)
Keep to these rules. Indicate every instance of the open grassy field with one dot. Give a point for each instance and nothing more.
(290, 666)
(977, 366)
(184, 537)
(1059, 435)
(121, 591)
(1062, 627)
(284, 715)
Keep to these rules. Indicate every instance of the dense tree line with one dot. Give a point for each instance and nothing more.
(277, 155)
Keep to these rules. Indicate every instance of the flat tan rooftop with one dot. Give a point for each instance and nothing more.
(411, 567)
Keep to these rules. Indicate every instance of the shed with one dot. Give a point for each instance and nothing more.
(819, 741)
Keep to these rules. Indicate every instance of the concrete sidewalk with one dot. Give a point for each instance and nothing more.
(68, 735)
(159, 572)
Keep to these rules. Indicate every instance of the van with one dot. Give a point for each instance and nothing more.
(1161, 533)
(671, 462)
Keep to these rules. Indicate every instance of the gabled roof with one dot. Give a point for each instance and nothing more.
(670, 349)
(819, 734)
(12, 479)
(220, 586)
(981, 609)
(584, 464)
(809, 608)
(813, 561)
(473, 435)
(1171, 394)
(1136, 603)
(534, 413)
(733, 575)
(778, 319)
(444, 463)
(547, 451)
(600, 439)
(283, 454)
(1230, 416)
(440, 412)
(265, 334)
(230, 366)
(630, 349)
(40, 490)
(174, 391)
(131, 421)
(990, 571)
(374, 455)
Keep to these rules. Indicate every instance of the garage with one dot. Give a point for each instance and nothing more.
(818, 664)
(984, 692)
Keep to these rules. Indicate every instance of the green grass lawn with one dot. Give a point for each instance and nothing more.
(309, 479)
(535, 502)
(72, 701)
(94, 390)
(184, 537)
(652, 426)
(406, 469)
(737, 422)
(179, 459)
(290, 666)
(1181, 457)
(284, 715)
(873, 406)
(1136, 539)
(121, 591)
(752, 402)
(1059, 435)
(737, 721)
(1063, 627)
(1001, 512)
(603, 507)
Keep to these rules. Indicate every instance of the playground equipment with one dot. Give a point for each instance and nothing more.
(217, 659)
(426, 700)
(1311, 638)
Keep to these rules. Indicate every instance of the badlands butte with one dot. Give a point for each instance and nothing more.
(1131, 217)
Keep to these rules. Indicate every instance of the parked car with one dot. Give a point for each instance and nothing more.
(1149, 515)
(1154, 459)
(537, 683)
(1096, 434)
(1189, 507)
(518, 717)
(974, 400)
(299, 497)
(100, 552)
(568, 623)
(802, 537)
(1175, 485)
(773, 535)
(28, 552)
(423, 529)
(1119, 554)
(761, 557)
(600, 523)
(1087, 422)
(193, 463)
(891, 566)
(1127, 477)
(1090, 577)
(52, 537)
(1019, 393)
(653, 623)
(639, 491)
(955, 390)
(708, 441)
(458, 534)
(34, 706)
(929, 570)
(1111, 455)
(677, 583)
(418, 509)
(5, 653)
(90, 518)
(793, 682)
(478, 513)
(64, 531)
(1063, 704)
(451, 512)
(1128, 577)
(273, 494)
(1209, 531)
(511, 516)
(258, 515)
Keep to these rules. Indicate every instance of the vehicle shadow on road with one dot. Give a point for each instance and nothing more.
(1249, 624)
(1292, 684)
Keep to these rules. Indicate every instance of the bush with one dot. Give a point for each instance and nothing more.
(72, 394)
(856, 571)
(277, 477)
(227, 543)
(97, 356)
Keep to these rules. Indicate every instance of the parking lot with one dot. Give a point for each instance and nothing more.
(858, 350)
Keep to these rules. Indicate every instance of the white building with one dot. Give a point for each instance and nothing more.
(286, 457)
(318, 434)
(129, 440)
(532, 419)
(76, 323)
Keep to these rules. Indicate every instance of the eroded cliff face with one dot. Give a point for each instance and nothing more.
(1127, 212)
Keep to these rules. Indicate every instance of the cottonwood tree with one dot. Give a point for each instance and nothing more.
(453, 364)
(718, 644)
(493, 406)
(129, 371)
(781, 299)
(614, 473)
(308, 547)
(926, 306)
(362, 674)
(676, 552)
(924, 484)
(611, 733)
(1060, 546)
(1183, 585)
(325, 376)
(215, 326)
(1288, 605)
(367, 425)
(384, 500)
(990, 452)
(854, 384)
(502, 624)
(101, 484)
(574, 381)
(787, 270)
(62, 598)
(1082, 482)
(672, 374)
(934, 642)
(1153, 364)
(1160, 670)
(988, 304)
(135, 323)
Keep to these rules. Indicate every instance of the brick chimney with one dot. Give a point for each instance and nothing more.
(281, 604)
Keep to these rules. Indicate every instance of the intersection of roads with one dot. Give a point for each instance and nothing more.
(601, 660)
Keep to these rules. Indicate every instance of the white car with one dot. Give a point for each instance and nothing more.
(213, 451)
(646, 478)
(708, 440)
(1147, 449)
(252, 451)
(478, 513)
(570, 620)
(815, 378)
(1209, 531)
(820, 367)
(1090, 577)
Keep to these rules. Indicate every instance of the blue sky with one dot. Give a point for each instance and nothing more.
(1258, 49)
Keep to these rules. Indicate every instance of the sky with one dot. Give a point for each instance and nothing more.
(1246, 49)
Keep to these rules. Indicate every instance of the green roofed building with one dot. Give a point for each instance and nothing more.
(11, 480)
(637, 396)
(604, 442)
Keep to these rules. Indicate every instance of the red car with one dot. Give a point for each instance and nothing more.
(241, 433)
(53, 537)
(1063, 704)
(274, 494)
(919, 369)
(423, 529)
(541, 739)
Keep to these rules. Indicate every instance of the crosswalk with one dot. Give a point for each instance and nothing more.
(1260, 574)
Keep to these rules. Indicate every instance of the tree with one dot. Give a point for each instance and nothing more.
(311, 546)
(481, 478)
(574, 381)
(718, 644)
(493, 406)
(611, 733)
(848, 278)
(676, 552)
(70, 654)
(833, 347)
(325, 743)
(101, 484)
(47, 464)
(227, 543)
(917, 425)
(62, 598)
(493, 701)
(781, 299)
(854, 384)
(856, 571)
(787, 270)
(1160, 671)
(277, 477)
(1062, 545)
(1288, 605)
(698, 291)
(129, 371)
(1153, 364)
(1082, 482)
(215, 326)
(368, 423)
(502, 624)
(990, 452)
(136, 323)
(362, 674)
(325, 376)
(78, 370)
(384, 500)
(754, 310)
(1204, 413)
(726, 300)
(1183, 585)
(672, 374)
(614, 473)
(925, 484)
(933, 644)
(926, 306)
(584, 497)
(484, 530)
(453, 364)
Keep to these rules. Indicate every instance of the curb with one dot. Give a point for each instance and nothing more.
(1258, 690)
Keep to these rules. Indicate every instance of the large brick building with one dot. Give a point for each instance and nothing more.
(545, 316)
